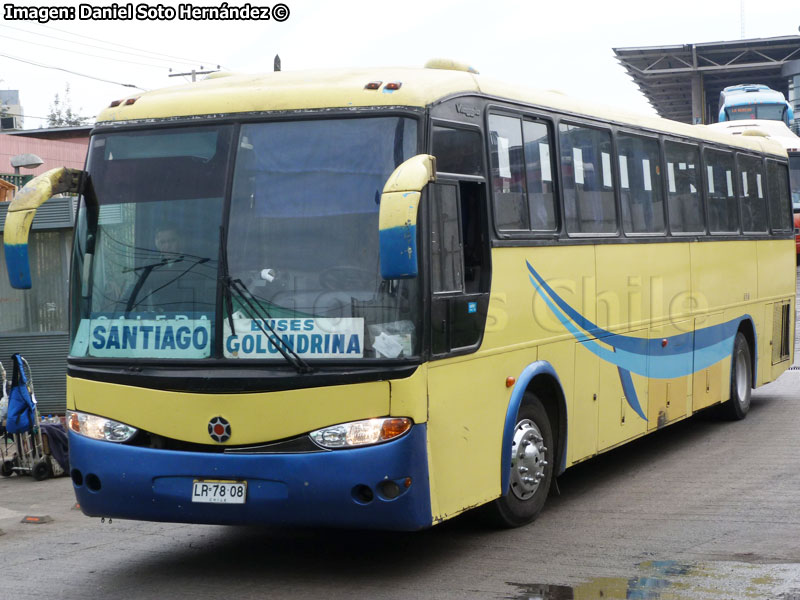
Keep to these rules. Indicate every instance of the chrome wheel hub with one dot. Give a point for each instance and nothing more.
(742, 383)
(527, 460)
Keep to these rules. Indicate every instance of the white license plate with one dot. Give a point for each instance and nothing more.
(219, 492)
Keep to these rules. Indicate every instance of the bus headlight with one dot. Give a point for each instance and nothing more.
(361, 433)
(99, 428)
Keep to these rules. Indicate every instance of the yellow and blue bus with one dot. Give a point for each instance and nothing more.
(380, 298)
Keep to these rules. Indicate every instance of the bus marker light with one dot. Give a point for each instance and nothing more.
(394, 85)
(407, 482)
(510, 381)
(373, 85)
(131, 100)
(664, 342)
(115, 103)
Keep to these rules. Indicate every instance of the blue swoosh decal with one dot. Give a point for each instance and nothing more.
(682, 355)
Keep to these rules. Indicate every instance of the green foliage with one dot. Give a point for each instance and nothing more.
(62, 114)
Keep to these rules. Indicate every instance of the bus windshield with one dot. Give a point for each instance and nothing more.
(794, 180)
(302, 241)
(770, 112)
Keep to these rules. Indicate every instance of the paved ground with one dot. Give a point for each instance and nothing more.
(701, 509)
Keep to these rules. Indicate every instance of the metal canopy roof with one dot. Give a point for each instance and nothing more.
(665, 73)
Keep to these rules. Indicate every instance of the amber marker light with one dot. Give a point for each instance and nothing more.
(72, 419)
(373, 85)
(510, 381)
(393, 427)
(394, 85)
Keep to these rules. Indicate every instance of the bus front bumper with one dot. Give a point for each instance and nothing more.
(312, 489)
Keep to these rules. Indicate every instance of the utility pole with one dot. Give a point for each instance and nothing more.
(194, 73)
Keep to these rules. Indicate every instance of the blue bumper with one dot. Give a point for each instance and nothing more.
(314, 489)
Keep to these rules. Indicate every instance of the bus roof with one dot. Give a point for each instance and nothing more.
(774, 130)
(225, 94)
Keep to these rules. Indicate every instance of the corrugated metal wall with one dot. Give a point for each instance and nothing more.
(46, 354)
(36, 323)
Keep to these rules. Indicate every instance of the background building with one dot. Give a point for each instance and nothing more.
(683, 81)
(11, 115)
(35, 322)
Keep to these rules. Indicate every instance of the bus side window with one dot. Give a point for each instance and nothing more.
(754, 204)
(457, 150)
(723, 209)
(539, 176)
(508, 173)
(779, 206)
(640, 185)
(684, 203)
(589, 202)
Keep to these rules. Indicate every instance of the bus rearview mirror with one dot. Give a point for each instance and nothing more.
(20, 218)
(398, 216)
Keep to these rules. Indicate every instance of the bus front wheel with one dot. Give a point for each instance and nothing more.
(532, 463)
(736, 408)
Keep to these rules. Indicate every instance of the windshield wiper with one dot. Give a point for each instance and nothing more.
(254, 311)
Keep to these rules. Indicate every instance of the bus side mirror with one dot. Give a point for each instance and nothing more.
(398, 216)
(20, 217)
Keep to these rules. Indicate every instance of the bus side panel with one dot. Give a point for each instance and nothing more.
(724, 276)
(774, 257)
(468, 401)
(468, 397)
(519, 316)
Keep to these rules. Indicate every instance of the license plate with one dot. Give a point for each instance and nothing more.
(219, 492)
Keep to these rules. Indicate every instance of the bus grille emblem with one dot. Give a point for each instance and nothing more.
(219, 429)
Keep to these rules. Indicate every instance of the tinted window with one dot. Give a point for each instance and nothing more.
(640, 185)
(683, 188)
(723, 211)
(457, 151)
(508, 173)
(539, 176)
(754, 204)
(779, 211)
(446, 259)
(588, 179)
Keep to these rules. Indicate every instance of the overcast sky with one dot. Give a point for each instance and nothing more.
(553, 44)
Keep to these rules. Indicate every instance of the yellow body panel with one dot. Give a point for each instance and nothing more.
(583, 418)
(617, 420)
(668, 399)
(468, 400)
(254, 418)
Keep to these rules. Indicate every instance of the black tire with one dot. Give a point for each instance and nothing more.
(738, 405)
(41, 470)
(530, 478)
(7, 468)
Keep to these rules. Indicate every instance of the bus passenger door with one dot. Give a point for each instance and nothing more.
(459, 258)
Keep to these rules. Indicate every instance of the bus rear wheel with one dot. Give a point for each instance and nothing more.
(532, 451)
(736, 408)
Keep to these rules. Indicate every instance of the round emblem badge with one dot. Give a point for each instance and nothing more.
(219, 429)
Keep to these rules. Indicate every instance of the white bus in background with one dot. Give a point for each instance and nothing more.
(778, 131)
